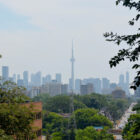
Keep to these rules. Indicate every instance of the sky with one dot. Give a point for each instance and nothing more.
(36, 35)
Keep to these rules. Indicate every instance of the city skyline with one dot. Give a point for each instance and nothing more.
(42, 41)
(54, 77)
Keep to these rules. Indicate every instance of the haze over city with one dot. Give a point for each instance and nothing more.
(40, 33)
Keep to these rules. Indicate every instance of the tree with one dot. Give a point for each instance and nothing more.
(90, 117)
(132, 128)
(15, 118)
(89, 133)
(53, 122)
(3, 136)
(133, 41)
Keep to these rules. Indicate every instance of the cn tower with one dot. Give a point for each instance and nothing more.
(72, 69)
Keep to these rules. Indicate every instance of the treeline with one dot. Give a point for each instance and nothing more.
(109, 106)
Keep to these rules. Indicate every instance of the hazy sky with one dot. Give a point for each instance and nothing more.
(36, 35)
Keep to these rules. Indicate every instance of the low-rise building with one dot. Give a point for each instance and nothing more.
(37, 124)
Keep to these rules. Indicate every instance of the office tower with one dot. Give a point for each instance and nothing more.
(25, 78)
(44, 80)
(18, 77)
(36, 79)
(58, 77)
(32, 79)
(78, 83)
(14, 78)
(113, 86)
(64, 89)
(97, 85)
(72, 70)
(5, 73)
(48, 79)
(105, 83)
(127, 84)
(53, 88)
(86, 89)
(20, 82)
(121, 79)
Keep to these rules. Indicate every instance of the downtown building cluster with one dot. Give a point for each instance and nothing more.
(37, 84)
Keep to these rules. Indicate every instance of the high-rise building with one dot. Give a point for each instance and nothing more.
(113, 86)
(5, 73)
(97, 85)
(70, 85)
(58, 77)
(78, 83)
(121, 82)
(54, 88)
(48, 79)
(127, 84)
(20, 82)
(64, 89)
(72, 70)
(105, 83)
(36, 79)
(86, 89)
(121, 79)
(14, 78)
(18, 77)
(25, 78)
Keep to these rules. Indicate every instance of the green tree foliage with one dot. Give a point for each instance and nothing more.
(90, 117)
(116, 108)
(94, 100)
(11, 93)
(3, 136)
(55, 126)
(89, 133)
(15, 119)
(61, 103)
(132, 128)
(58, 104)
(132, 40)
(53, 122)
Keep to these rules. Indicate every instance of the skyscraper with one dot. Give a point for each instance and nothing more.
(105, 83)
(14, 78)
(127, 84)
(48, 79)
(121, 79)
(58, 77)
(78, 83)
(25, 78)
(5, 73)
(72, 69)
(36, 79)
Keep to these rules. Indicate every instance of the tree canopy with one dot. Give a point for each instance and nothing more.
(15, 119)
(132, 40)
(89, 133)
(90, 117)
